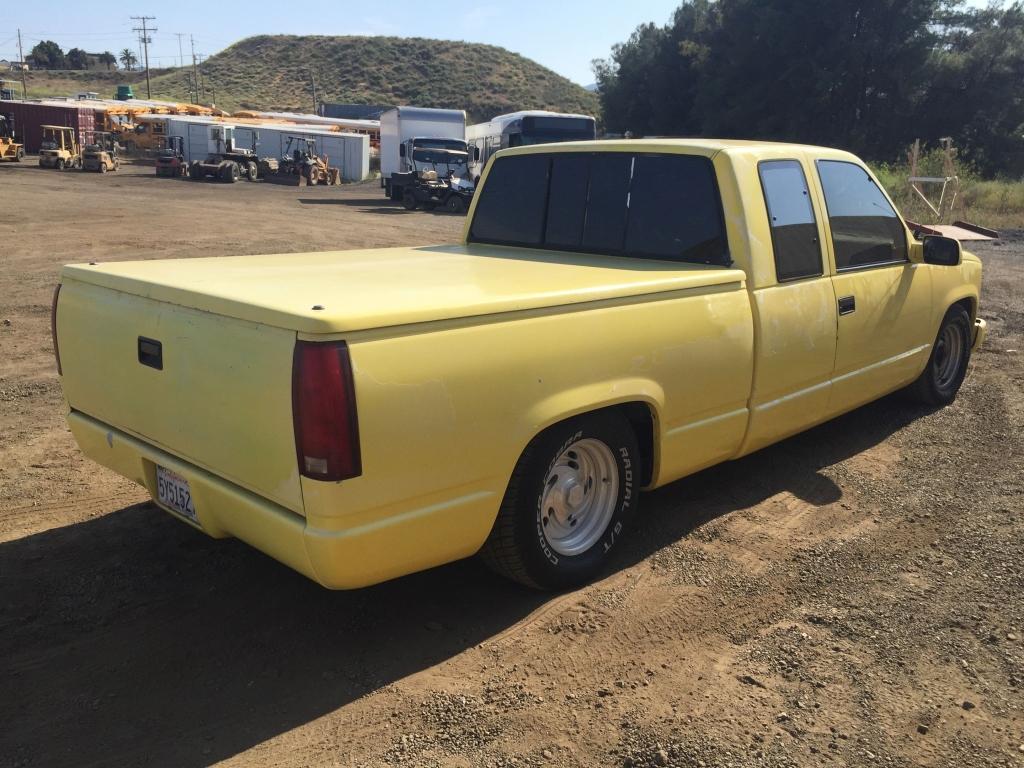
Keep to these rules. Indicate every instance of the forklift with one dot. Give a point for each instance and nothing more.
(9, 148)
(59, 148)
(170, 157)
(100, 155)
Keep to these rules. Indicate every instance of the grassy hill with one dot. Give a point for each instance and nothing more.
(273, 72)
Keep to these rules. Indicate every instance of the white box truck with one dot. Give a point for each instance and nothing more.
(424, 158)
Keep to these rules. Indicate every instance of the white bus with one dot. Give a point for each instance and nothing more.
(520, 128)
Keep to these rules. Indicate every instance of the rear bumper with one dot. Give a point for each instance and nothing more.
(980, 331)
(223, 508)
(339, 554)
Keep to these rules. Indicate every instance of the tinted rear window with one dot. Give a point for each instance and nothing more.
(513, 209)
(643, 205)
(674, 211)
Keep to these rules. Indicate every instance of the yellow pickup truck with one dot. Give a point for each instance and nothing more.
(618, 315)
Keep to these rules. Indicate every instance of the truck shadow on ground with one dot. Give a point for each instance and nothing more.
(133, 639)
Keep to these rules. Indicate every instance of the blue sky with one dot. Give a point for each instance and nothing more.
(563, 35)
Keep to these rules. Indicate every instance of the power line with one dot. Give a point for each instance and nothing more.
(145, 39)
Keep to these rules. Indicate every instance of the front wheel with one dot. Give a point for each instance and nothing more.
(940, 381)
(60, 164)
(19, 155)
(251, 171)
(568, 502)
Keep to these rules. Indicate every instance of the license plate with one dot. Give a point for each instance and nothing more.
(173, 491)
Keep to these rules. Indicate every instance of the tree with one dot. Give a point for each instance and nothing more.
(77, 59)
(46, 54)
(107, 58)
(865, 75)
(128, 59)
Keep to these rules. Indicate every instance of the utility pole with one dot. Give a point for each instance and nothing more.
(202, 77)
(195, 73)
(312, 79)
(181, 57)
(21, 57)
(145, 40)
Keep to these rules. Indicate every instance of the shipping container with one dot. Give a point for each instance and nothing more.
(30, 116)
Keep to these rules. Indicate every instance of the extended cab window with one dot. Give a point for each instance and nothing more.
(642, 205)
(791, 215)
(865, 229)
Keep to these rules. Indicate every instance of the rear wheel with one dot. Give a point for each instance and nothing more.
(455, 204)
(940, 381)
(196, 172)
(103, 167)
(311, 176)
(251, 171)
(409, 201)
(60, 164)
(19, 155)
(230, 172)
(570, 497)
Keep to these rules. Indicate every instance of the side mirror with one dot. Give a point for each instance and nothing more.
(401, 150)
(942, 251)
(476, 154)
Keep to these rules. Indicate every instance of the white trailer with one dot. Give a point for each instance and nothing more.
(348, 151)
(519, 128)
(403, 128)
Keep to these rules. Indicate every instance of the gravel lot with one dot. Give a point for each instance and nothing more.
(850, 597)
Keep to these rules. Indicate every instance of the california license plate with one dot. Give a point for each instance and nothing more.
(173, 491)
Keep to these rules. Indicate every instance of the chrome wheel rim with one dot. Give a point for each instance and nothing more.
(578, 500)
(948, 354)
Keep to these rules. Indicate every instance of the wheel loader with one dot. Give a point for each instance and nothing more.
(59, 148)
(9, 148)
(100, 155)
(301, 166)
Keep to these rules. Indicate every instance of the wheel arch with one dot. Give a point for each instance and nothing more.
(639, 401)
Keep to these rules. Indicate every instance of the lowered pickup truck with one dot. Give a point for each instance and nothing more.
(619, 315)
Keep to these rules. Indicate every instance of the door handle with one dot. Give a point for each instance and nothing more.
(847, 305)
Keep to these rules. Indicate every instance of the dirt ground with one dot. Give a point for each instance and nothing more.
(852, 596)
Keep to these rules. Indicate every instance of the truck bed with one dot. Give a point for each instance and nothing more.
(360, 290)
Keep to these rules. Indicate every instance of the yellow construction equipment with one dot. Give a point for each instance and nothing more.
(60, 148)
(9, 148)
(300, 166)
(100, 153)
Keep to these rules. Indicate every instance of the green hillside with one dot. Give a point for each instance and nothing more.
(272, 72)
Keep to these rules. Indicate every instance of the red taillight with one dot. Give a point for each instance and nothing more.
(324, 409)
(53, 327)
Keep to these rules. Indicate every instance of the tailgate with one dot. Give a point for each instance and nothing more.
(222, 399)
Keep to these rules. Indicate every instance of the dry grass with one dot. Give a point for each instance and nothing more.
(274, 72)
(995, 203)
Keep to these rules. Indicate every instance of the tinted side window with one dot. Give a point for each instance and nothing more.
(512, 210)
(674, 211)
(791, 215)
(605, 227)
(865, 228)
